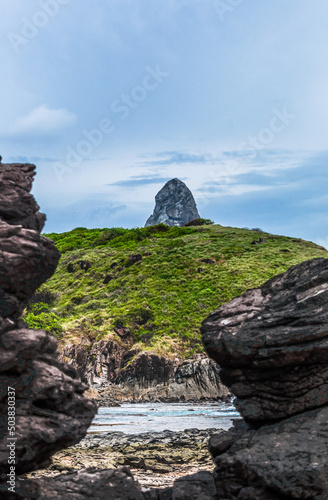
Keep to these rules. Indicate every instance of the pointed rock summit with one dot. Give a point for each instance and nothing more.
(175, 205)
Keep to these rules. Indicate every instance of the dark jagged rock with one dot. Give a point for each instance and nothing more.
(134, 375)
(272, 344)
(175, 205)
(199, 486)
(26, 258)
(17, 205)
(50, 409)
(287, 458)
(51, 412)
(86, 484)
(26, 261)
(114, 484)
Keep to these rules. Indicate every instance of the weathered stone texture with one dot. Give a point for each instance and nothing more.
(175, 205)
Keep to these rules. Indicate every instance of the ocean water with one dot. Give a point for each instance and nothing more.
(156, 417)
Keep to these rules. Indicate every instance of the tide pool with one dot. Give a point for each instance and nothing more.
(156, 417)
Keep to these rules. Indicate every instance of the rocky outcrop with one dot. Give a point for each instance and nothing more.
(50, 411)
(26, 258)
(122, 374)
(17, 205)
(272, 345)
(149, 451)
(117, 484)
(175, 205)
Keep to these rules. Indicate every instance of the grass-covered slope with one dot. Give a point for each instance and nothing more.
(159, 282)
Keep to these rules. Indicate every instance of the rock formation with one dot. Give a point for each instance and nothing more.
(175, 205)
(123, 374)
(272, 346)
(50, 410)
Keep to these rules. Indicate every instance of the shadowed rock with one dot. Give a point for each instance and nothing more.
(125, 374)
(50, 410)
(284, 460)
(87, 484)
(175, 205)
(272, 345)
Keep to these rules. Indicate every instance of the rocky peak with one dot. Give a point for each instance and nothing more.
(175, 205)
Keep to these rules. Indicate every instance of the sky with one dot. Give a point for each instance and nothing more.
(112, 98)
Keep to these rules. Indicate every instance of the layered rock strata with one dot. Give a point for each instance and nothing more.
(50, 410)
(272, 346)
(125, 375)
(175, 205)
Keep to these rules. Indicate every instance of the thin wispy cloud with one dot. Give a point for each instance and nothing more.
(43, 121)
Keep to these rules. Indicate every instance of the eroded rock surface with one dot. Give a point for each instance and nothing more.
(175, 205)
(125, 375)
(50, 410)
(272, 345)
(287, 458)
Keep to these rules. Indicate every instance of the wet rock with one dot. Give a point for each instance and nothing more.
(175, 205)
(151, 451)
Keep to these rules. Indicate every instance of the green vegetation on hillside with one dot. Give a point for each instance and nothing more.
(158, 282)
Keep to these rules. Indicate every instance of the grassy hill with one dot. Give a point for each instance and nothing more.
(158, 283)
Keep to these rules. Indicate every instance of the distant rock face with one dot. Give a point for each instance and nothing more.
(126, 374)
(175, 205)
(272, 346)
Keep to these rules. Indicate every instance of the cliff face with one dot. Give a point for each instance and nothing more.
(272, 345)
(123, 374)
(175, 205)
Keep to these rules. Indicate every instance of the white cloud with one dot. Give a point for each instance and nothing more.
(43, 121)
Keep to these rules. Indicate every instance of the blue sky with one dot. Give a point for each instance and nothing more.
(112, 98)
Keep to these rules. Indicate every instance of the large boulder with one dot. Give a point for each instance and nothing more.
(272, 343)
(175, 205)
(50, 410)
(284, 460)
